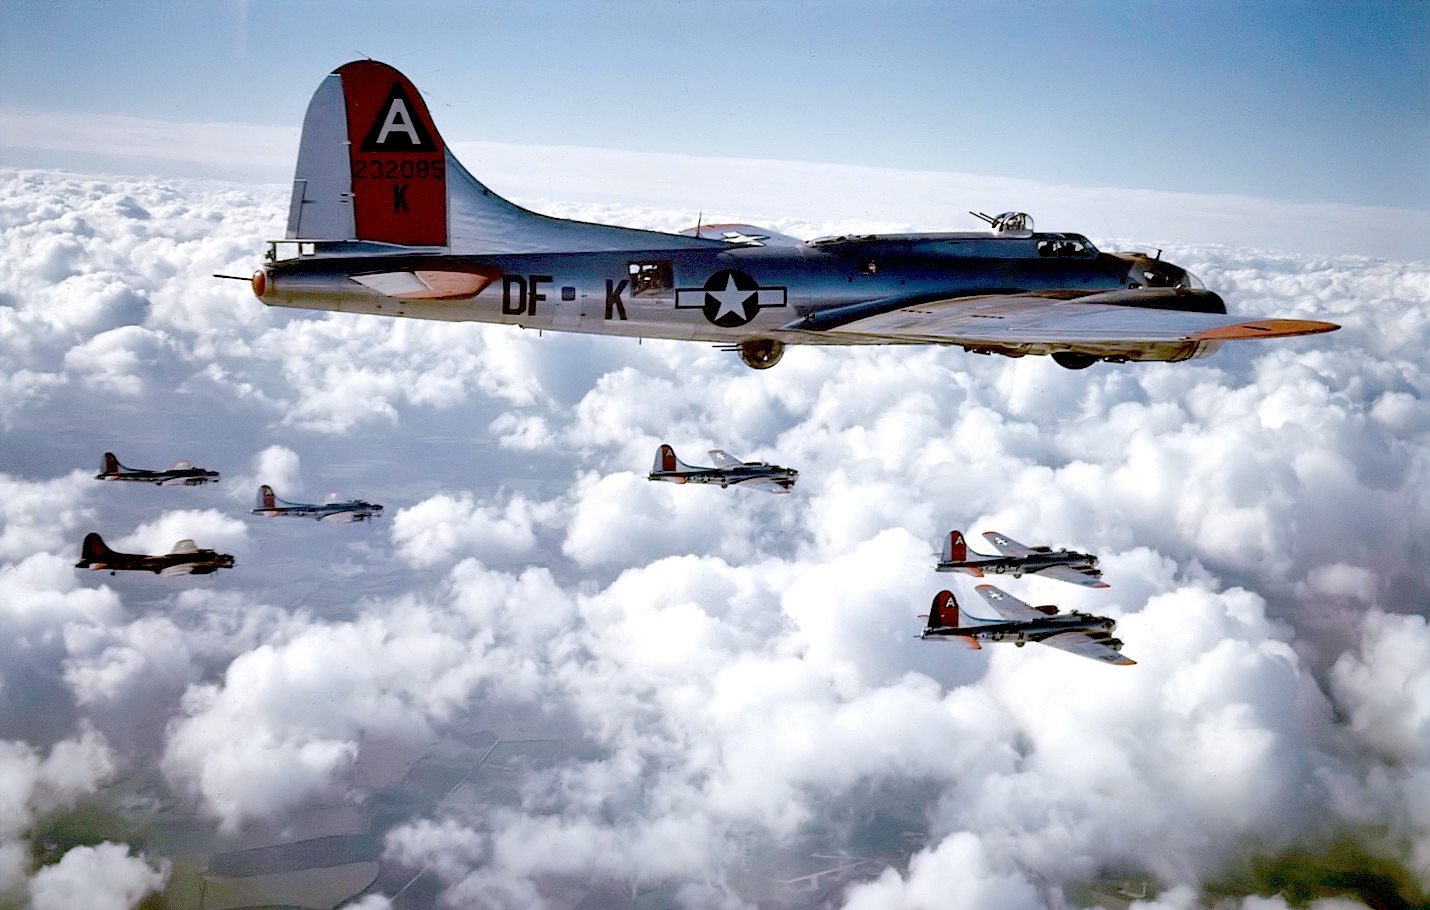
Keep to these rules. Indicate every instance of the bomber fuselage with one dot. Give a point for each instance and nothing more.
(1032, 563)
(718, 292)
(1025, 631)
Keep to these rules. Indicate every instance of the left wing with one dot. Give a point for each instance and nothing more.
(1008, 606)
(1123, 317)
(768, 484)
(1072, 576)
(184, 568)
(1081, 644)
(724, 459)
(1007, 545)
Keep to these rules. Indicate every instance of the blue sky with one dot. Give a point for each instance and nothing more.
(1292, 101)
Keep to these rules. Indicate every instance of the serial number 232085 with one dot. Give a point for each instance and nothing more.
(393, 169)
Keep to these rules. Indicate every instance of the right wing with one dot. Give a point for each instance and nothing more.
(1108, 321)
(1072, 576)
(1008, 606)
(1006, 545)
(185, 546)
(1081, 644)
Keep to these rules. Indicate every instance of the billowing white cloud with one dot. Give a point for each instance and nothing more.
(734, 674)
(105, 877)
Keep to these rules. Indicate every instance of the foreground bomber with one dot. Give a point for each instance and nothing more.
(384, 220)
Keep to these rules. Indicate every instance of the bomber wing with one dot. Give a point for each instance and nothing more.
(1072, 576)
(1083, 645)
(768, 484)
(1007, 545)
(1123, 317)
(185, 546)
(1008, 606)
(725, 460)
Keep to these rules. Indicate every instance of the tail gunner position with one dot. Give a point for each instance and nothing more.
(384, 220)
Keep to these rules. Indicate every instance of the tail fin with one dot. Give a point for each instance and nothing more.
(666, 461)
(955, 549)
(111, 464)
(266, 499)
(372, 166)
(943, 612)
(94, 549)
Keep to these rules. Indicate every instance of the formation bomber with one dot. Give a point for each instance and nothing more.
(185, 559)
(385, 220)
(728, 471)
(270, 506)
(1064, 565)
(182, 472)
(1077, 633)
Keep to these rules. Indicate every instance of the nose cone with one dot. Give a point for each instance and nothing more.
(260, 283)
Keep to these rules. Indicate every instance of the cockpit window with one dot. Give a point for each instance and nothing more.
(1065, 246)
(651, 276)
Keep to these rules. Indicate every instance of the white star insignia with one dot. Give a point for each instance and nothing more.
(732, 300)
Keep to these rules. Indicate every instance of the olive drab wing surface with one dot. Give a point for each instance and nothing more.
(384, 220)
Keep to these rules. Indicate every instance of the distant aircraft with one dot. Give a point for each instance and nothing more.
(184, 559)
(1064, 565)
(1077, 633)
(271, 506)
(728, 471)
(384, 220)
(182, 472)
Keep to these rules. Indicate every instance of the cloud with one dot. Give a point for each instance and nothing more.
(733, 676)
(105, 877)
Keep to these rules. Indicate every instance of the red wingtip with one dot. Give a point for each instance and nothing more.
(1266, 328)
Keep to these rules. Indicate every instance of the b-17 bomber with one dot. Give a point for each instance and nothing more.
(270, 506)
(181, 473)
(185, 559)
(1077, 633)
(1016, 559)
(385, 220)
(728, 471)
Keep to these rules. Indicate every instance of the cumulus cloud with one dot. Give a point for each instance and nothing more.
(105, 877)
(733, 676)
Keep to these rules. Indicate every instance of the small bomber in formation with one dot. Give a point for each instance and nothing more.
(728, 471)
(1064, 565)
(270, 506)
(384, 220)
(184, 559)
(182, 472)
(1077, 633)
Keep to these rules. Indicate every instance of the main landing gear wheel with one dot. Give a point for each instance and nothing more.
(761, 354)
(1071, 360)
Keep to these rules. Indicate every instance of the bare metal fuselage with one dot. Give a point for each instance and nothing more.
(1020, 633)
(790, 293)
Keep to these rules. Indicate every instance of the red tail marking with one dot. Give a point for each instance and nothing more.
(398, 158)
(667, 458)
(268, 498)
(944, 610)
(111, 464)
(957, 547)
